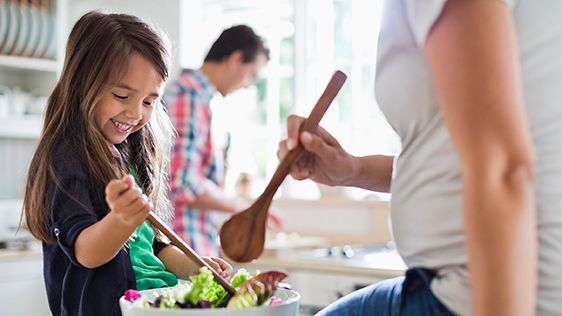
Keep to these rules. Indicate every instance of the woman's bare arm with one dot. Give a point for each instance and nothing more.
(474, 63)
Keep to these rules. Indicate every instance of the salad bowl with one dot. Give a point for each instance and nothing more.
(289, 307)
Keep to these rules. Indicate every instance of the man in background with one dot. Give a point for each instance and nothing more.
(197, 174)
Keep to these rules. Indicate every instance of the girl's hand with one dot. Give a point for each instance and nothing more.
(324, 160)
(222, 267)
(126, 201)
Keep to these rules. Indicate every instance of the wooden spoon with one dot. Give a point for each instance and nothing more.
(178, 242)
(243, 235)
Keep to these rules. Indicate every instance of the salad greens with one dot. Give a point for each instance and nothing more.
(257, 290)
(205, 292)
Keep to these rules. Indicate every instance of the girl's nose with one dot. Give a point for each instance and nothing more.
(134, 112)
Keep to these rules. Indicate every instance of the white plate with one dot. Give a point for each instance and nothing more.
(23, 31)
(34, 30)
(289, 308)
(12, 29)
(4, 21)
(44, 33)
(52, 44)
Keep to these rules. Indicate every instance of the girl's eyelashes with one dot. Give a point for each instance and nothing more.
(120, 97)
(151, 103)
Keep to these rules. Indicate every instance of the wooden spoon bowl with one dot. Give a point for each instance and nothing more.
(243, 235)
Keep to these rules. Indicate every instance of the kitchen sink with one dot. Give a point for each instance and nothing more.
(382, 256)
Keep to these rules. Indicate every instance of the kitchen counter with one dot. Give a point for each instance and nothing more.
(321, 277)
(21, 275)
(383, 265)
(33, 252)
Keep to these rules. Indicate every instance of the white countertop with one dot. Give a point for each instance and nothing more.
(33, 251)
(379, 264)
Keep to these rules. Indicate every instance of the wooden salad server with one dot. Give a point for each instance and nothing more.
(242, 237)
(183, 246)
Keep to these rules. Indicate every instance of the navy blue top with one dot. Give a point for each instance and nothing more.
(73, 289)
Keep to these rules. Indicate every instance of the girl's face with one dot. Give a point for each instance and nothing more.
(128, 104)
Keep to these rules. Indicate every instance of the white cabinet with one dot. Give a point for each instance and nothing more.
(319, 289)
(27, 77)
(32, 40)
(22, 290)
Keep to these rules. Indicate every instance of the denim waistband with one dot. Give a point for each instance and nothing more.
(417, 298)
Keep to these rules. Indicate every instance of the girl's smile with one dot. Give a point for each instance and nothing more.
(127, 105)
(122, 127)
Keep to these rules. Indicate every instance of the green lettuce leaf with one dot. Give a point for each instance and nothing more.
(256, 290)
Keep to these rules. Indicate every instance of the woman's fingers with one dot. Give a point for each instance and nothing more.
(294, 123)
(327, 137)
(313, 143)
(282, 149)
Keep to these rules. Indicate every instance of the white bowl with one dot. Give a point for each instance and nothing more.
(290, 307)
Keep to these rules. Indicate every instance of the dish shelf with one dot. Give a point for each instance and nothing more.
(26, 63)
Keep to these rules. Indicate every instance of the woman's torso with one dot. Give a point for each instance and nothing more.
(426, 189)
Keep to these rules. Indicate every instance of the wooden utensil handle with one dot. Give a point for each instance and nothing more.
(309, 125)
(178, 242)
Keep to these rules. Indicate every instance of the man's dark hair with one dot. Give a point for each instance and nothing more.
(239, 37)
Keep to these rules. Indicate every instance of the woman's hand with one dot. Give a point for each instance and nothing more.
(126, 201)
(222, 267)
(324, 160)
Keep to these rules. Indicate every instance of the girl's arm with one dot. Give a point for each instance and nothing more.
(99, 243)
(474, 63)
(179, 264)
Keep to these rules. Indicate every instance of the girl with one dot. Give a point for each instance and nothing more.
(98, 128)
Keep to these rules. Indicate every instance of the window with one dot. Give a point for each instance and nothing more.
(308, 40)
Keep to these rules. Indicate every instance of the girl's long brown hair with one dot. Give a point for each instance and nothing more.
(97, 54)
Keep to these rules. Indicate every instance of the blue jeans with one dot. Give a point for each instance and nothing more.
(404, 296)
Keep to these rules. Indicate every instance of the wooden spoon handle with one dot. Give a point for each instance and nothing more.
(309, 125)
(178, 242)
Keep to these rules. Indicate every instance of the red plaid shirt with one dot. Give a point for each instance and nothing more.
(193, 160)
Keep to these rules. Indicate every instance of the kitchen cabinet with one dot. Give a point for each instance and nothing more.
(26, 76)
(319, 289)
(22, 290)
(26, 80)
(338, 220)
